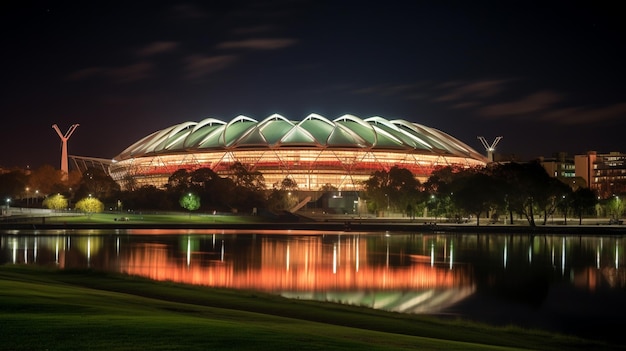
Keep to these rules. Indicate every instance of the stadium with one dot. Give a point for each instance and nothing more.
(314, 152)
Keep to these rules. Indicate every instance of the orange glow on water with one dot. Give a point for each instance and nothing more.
(304, 265)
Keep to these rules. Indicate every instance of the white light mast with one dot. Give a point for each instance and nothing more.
(490, 148)
(64, 166)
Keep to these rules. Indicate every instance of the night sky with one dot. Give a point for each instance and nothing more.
(547, 76)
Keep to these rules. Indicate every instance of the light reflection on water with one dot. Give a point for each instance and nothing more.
(414, 273)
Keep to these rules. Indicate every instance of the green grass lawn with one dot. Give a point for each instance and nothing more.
(86, 310)
(175, 218)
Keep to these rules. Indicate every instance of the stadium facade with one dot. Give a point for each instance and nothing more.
(313, 152)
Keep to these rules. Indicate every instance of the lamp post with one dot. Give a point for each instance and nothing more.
(565, 207)
(387, 196)
(435, 209)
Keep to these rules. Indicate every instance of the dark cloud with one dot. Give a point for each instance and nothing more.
(197, 66)
(533, 104)
(582, 115)
(258, 44)
(468, 90)
(157, 48)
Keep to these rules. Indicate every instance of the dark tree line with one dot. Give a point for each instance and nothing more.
(242, 190)
(524, 190)
(500, 192)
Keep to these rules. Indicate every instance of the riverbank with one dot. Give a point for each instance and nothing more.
(371, 226)
(595, 226)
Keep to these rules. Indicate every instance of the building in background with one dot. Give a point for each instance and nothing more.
(559, 165)
(562, 167)
(604, 173)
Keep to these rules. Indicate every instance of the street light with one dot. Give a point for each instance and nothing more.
(435, 209)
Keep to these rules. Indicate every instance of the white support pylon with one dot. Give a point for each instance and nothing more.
(64, 138)
(490, 148)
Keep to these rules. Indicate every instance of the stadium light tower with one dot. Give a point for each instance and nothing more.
(490, 148)
(64, 137)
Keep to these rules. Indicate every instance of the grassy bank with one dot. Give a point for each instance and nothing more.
(111, 220)
(80, 310)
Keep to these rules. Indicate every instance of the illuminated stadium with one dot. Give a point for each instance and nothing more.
(313, 152)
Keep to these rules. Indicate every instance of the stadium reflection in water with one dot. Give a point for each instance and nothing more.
(414, 273)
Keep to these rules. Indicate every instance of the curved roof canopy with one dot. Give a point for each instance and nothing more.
(314, 131)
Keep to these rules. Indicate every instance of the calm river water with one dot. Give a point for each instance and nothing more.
(571, 284)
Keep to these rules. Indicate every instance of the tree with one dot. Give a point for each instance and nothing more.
(203, 178)
(404, 188)
(553, 190)
(440, 179)
(246, 178)
(248, 188)
(287, 184)
(283, 197)
(129, 183)
(442, 184)
(476, 193)
(328, 188)
(214, 190)
(189, 201)
(12, 184)
(47, 180)
(396, 188)
(615, 206)
(73, 179)
(90, 205)
(98, 184)
(584, 199)
(526, 187)
(179, 181)
(55, 202)
(566, 202)
(147, 197)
